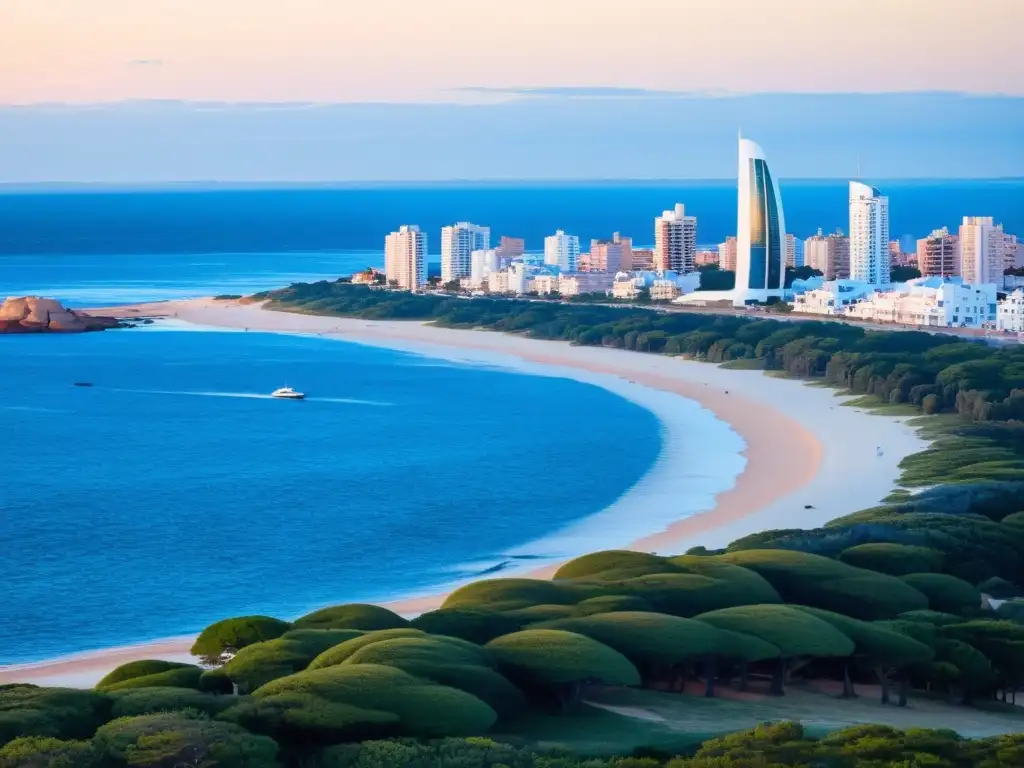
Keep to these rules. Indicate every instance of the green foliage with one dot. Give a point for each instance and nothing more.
(258, 664)
(181, 738)
(512, 594)
(46, 752)
(145, 668)
(945, 593)
(874, 642)
(477, 626)
(145, 701)
(342, 651)
(176, 676)
(335, 703)
(234, 634)
(611, 604)
(61, 713)
(614, 565)
(552, 657)
(793, 631)
(687, 594)
(659, 638)
(894, 559)
(368, 618)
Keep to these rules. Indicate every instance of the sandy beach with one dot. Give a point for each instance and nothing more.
(807, 458)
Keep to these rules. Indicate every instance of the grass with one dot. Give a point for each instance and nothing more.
(744, 364)
(879, 407)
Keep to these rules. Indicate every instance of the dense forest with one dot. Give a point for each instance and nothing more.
(895, 600)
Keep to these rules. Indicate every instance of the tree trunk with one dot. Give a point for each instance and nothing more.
(709, 670)
(904, 689)
(848, 691)
(883, 680)
(777, 688)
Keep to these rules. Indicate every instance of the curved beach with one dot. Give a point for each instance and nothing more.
(808, 460)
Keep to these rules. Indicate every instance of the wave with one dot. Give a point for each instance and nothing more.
(246, 395)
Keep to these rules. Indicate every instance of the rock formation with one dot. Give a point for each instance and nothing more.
(32, 314)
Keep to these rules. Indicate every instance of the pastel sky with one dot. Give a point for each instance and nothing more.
(427, 50)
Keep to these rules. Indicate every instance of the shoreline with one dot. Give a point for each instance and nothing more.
(806, 459)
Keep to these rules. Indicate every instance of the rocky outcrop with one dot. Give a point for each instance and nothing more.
(32, 314)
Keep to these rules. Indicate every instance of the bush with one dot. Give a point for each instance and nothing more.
(45, 752)
(552, 657)
(614, 565)
(876, 643)
(477, 626)
(235, 634)
(151, 673)
(339, 653)
(610, 604)
(352, 616)
(793, 631)
(177, 738)
(510, 594)
(145, 701)
(894, 559)
(258, 664)
(61, 713)
(945, 593)
(686, 594)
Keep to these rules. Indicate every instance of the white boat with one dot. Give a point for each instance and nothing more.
(287, 393)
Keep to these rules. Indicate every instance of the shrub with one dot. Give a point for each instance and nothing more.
(258, 664)
(145, 701)
(477, 626)
(178, 738)
(894, 559)
(686, 594)
(61, 713)
(235, 634)
(945, 593)
(339, 653)
(793, 631)
(614, 565)
(46, 752)
(510, 594)
(149, 674)
(352, 616)
(551, 657)
(876, 643)
(611, 604)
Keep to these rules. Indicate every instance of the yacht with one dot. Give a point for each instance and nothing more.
(287, 393)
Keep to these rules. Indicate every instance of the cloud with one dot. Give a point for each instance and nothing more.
(590, 92)
(146, 63)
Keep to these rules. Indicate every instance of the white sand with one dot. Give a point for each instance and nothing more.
(801, 447)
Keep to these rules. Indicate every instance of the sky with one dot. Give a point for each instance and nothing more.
(479, 62)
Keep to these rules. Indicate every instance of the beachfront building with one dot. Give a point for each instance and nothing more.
(761, 230)
(705, 258)
(829, 254)
(675, 241)
(520, 277)
(643, 259)
(482, 264)
(831, 298)
(562, 251)
(727, 254)
(457, 245)
(545, 284)
(585, 282)
(938, 254)
(934, 302)
(869, 235)
(1010, 313)
(510, 248)
(981, 250)
(1013, 252)
(664, 290)
(794, 251)
(625, 287)
(608, 255)
(405, 258)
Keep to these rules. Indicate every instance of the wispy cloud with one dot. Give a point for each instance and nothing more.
(146, 63)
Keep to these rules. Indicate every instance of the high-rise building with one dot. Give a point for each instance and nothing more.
(761, 229)
(675, 241)
(483, 262)
(610, 255)
(829, 254)
(511, 247)
(457, 245)
(794, 251)
(869, 235)
(981, 250)
(727, 254)
(562, 251)
(642, 261)
(937, 254)
(405, 257)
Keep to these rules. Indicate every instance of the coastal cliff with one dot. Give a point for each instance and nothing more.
(32, 314)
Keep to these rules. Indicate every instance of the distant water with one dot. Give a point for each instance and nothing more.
(175, 492)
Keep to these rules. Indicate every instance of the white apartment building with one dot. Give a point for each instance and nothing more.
(585, 282)
(520, 278)
(562, 251)
(675, 241)
(625, 288)
(1010, 313)
(931, 302)
(727, 254)
(405, 257)
(829, 254)
(832, 298)
(543, 284)
(482, 263)
(498, 282)
(457, 245)
(664, 290)
(981, 250)
(869, 235)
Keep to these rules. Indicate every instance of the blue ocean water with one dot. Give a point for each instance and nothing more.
(174, 492)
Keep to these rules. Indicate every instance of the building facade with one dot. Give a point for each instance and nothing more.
(675, 241)
(562, 251)
(643, 259)
(932, 303)
(511, 248)
(832, 298)
(585, 282)
(829, 254)
(609, 255)
(727, 254)
(938, 254)
(869, 235)
(981, 250)
(405, 257)
(482, 263)
(761, 229)
(794, 252)
(457, 245)
(1010, 313)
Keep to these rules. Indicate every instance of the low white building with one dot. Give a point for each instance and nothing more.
(664, 290)
(934, 302)
(520, 277)
(625, 287)
(585, 282)
(1010, 313)
(832, 297)
(482, 264)
(497, 282)
(544, 284)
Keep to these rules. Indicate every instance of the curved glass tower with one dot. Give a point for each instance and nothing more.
(761, 230)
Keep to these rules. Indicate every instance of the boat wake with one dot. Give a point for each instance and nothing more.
(249, 396)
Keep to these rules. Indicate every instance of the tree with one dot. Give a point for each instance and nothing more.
(151, 672)
(45, 752)
(901, 274)
(352, 616)
(340, 653)
(231, 635)
(477, 626)
(258, 664)
(945, 593)
(894, 559)
(145, 701)
(60, 713)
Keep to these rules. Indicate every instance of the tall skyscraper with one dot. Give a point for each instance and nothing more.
(981, 250)
(562, 251)
(457, 245)
(869, 235)
(405, 257)
(761, 229)
(938, 254)
(829, 254)
(727, 254)
(675, 241)
(611, 255)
